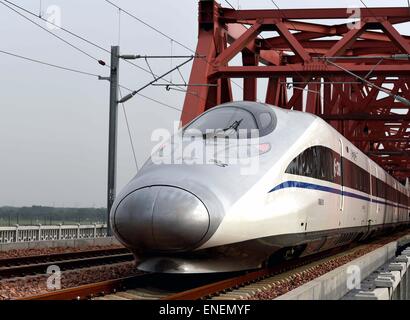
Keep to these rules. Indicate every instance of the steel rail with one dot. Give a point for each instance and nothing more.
(118, 286)
(212, 289)
(69, 263)
(29, 259)
(91, 290)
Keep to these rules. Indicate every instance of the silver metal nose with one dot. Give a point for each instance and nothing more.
(161, 218)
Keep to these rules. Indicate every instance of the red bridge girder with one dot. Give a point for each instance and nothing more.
(289, 57)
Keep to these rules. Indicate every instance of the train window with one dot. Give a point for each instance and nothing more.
(265, 119)
(380, 189)
(316, 162)
(225, 121)
(355, 177)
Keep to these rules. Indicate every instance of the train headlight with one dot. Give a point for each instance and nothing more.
(264, 148)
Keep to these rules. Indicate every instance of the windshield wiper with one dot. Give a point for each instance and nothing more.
(234, 125)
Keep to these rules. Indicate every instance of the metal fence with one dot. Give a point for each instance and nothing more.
(54, 232)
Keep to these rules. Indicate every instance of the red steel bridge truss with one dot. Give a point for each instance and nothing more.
(304, 58)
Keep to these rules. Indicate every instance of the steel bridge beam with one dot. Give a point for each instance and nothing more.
(389, 153)
(360, 111)
(228, 15)
(314, 69)
(367, 117)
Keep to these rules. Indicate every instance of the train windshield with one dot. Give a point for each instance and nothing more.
(224, 122)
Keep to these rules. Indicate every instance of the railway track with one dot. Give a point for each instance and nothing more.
(94, 289)
(250, 285)
(142, 286)
(32, 265)
(146, 286)
(245, 285)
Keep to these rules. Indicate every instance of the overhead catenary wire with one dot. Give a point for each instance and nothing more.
(83, 73)
(284, 16)
(50, 64)
(83, 38)
(97, 76)
(160, 102)
(53, 34)
(403, 126)
(370, 10)
(129, 131)
(148, 25)
(182, 77)
(381, 58)
(230, 4)
(166, 80)
(160, 32)
(152, 99)
(119, 27)
(130, 95)
(274, 3)
(58, 26)
(150, 69)
(89, 42)
(71, 33)
(65, 30)
(402, 99)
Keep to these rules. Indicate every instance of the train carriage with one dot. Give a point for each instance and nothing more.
(312, 190)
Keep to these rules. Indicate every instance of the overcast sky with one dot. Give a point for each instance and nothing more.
(54, 124)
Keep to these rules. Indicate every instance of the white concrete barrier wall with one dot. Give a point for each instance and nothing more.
(389, 282)
(73, 243)
(334, 284)
(17, 234)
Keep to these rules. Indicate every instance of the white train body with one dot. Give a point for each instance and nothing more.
(313, 190)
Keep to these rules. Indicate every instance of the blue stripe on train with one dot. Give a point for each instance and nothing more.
(312, 186)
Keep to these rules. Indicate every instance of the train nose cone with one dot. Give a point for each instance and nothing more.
(161, 218)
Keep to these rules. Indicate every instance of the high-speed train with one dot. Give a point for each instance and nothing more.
(309, 190)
